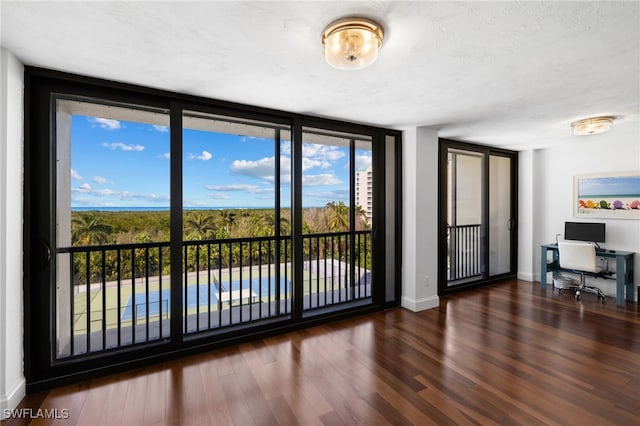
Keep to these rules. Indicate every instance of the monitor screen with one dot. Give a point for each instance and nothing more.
(584, 231)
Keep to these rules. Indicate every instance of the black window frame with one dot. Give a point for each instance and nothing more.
(41, 371)
(485, 152)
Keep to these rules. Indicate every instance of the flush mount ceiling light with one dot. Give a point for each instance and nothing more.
(352, 43)
(592, 126)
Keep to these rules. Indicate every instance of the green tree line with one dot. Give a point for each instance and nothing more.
(96, 228)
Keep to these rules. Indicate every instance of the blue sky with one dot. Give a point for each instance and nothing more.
(126, 164)
(609, 186)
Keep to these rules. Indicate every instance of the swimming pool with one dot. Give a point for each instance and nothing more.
(260, 288)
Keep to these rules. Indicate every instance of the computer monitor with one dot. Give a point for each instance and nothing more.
(584, 231)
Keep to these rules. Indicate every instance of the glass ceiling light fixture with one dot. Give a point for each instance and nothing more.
(352, 43)
(592, 126)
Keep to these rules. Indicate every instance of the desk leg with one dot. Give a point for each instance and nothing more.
(543, 268)
(628, 277)
(621, 278)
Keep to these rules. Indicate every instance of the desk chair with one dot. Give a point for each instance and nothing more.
(581, 259)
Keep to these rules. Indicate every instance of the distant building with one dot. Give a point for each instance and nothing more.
(364, 192)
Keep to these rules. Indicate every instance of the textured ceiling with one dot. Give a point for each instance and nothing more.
(509, 74)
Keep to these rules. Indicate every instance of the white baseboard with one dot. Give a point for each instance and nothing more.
(12, 398)
(420, 304)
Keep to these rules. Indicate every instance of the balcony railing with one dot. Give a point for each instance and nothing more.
(114, 296)
(464, 252)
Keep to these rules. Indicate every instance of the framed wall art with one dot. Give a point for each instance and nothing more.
(607, 195)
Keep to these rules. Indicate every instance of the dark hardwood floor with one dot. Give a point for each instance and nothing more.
(509, 353)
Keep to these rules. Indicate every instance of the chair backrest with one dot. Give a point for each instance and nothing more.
(577, 256)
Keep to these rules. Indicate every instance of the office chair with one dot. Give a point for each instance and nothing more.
(580, 258)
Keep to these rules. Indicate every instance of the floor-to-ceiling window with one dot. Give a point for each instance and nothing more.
(157, 223)
(478, 212)
(111, 212)
(336, 217)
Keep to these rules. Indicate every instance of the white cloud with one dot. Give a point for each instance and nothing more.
(100, 180)
(105, 123)
(162, 129)
(219, 196)
(263, 169)
(260, 169)
(363, 162)
(232, 187)
(252, 189)
(204, 156)
(126, 195)
(322, 152)
(79, 201)
(75, 175)
(85, 188)
(335, 195)
(123, 147)
(316, 155)
(166, 155)
(321, 179)
(285, 148)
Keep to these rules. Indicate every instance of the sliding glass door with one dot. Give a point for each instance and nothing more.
(111, 249)
(236, 233)
(501, 215)
(477, 214)
(465, 216)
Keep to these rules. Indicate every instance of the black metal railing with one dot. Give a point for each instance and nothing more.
(113, 296)
(234, 281)
(104, 296)
(328, 278)
(464, 251)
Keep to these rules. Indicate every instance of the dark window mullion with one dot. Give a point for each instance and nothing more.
(296, 219)
(176, 225)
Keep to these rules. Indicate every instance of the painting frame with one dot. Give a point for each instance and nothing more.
(607, 195)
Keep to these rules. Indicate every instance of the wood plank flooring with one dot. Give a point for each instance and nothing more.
(509, 353)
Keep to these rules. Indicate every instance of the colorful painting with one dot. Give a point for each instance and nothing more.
(610, 196)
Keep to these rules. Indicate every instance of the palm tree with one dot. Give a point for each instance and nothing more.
(199, 225)
(362, 218)
(228, 218)
(269, 224)
(87, 230)
(338, 216)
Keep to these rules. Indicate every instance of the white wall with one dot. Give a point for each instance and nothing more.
(526, 225)
(420, 219)
(12, 383)
(552, 193)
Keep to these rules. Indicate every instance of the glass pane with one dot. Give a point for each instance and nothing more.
(390, 217)
(499, 215)
(464, 215)
(336, 176)
(236, 268)
(112, 182)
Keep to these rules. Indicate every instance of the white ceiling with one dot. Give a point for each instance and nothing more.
(509, 74)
